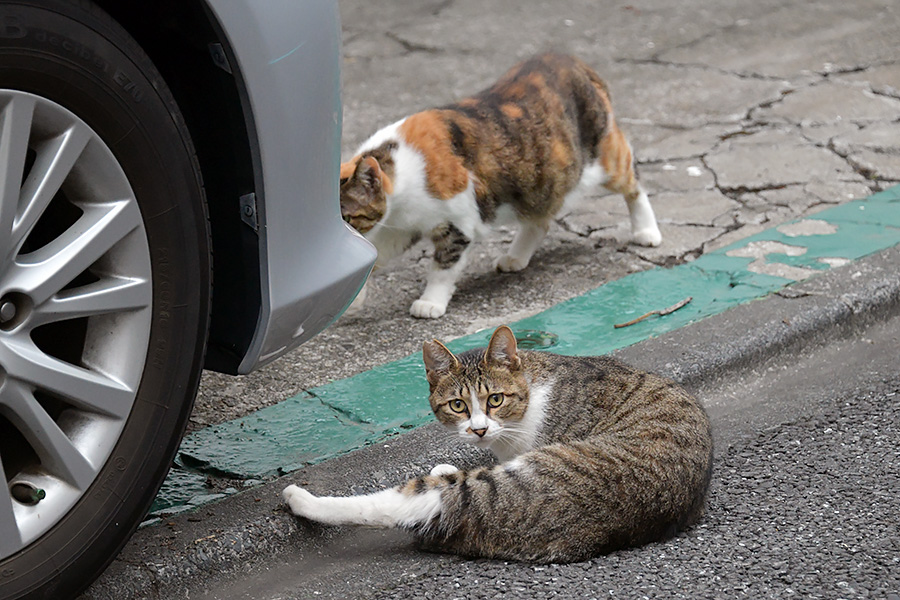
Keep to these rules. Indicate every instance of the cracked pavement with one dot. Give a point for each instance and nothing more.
(741, 115)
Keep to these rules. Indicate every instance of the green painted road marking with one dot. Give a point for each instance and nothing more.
(348, 414)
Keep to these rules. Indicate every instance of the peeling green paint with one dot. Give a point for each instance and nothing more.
(348, 414)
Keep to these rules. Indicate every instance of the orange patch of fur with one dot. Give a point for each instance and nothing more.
(560, 154)
(536, 80)
(512, 111)
(444, 171)
(349, 167)
(516, 91)
(616, 159)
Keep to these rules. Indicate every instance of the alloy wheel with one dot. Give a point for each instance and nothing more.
(75, 311)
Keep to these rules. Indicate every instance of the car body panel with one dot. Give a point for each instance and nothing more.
(288, 62)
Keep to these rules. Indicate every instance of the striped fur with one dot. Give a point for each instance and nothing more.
(596, 456)
(511, 154)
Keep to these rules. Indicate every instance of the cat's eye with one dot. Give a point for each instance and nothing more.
(457, 406)
(495, 400)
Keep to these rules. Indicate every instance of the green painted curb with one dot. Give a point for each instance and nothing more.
(344, 415)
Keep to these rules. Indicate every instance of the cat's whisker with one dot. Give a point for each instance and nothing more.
(388, 227)
(512, 427)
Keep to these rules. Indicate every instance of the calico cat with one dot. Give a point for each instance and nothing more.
(595, 456)
(509, 155)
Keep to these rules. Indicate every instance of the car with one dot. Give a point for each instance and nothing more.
(168, 203)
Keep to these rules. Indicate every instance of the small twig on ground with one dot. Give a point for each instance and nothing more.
(660, 312)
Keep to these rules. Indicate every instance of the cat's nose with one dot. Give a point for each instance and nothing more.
(479, 432)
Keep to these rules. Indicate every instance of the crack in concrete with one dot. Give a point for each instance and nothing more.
(704, 67)
(765, 104)
(842, 71)
(411, 47)
(885, 94)
(730, 228)
(738, 193)
(716, 184)
(863, 171)
(828, 72)
(659, 161)
(872, 181)
(664, 262)
(735, 192)
(436, 12)
(749, 130)
(698, 40)
(882, 184)
(566, 227)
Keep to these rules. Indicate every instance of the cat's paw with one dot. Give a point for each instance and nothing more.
(426, 309)
(443, 469)
(649, 236)
(299, 500)
(510, 264)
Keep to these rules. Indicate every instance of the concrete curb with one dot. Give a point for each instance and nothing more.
(813, 312)
(219, 542)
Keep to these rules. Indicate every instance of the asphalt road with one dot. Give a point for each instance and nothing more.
(803, 504)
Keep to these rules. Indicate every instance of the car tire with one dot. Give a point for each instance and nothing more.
(101, 351)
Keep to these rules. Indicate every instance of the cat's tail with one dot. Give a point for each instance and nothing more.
(617, 162)
(616, 156)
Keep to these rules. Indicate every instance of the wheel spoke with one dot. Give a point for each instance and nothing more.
(103, 297)
(10, 538)
(57, 452)
(55, 159)
(86, 389)
(15, 127)
(44, 272)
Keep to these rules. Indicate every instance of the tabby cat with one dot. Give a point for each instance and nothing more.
(509, 155)
(595, 456)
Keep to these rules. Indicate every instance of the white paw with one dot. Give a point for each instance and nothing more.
(426, 309)
(443, 469)
(299, 500)
(509, 264)
(649, 236)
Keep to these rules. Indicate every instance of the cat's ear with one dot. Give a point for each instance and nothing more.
(438, 360)
(502, 349)
(373, 177)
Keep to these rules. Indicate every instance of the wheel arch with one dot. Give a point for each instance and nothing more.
(185, 43)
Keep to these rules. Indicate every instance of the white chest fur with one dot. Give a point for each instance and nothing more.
(526, 432)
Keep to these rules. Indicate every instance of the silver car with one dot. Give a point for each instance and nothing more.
(168, 202)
